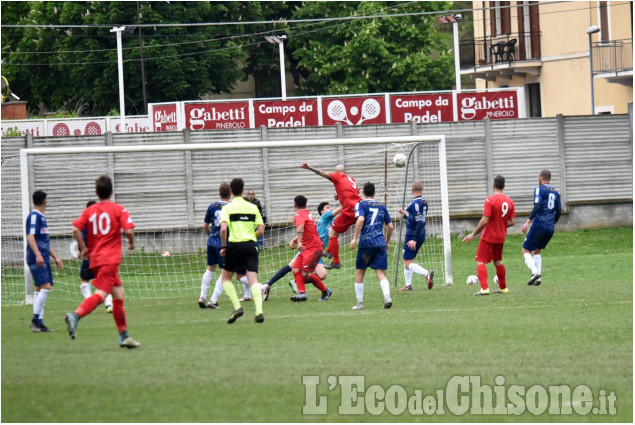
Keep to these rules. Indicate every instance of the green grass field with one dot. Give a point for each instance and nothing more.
(575, 329)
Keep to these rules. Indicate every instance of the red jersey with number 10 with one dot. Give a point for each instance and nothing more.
(104, 222)
(499, 208)
(346, 189)
(310, 237)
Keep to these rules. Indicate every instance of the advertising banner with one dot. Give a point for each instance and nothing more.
(286, 113)
(421, 108)
(354, 110)
(493, 105)
(217, 116)
(164, 117)
(68, 127)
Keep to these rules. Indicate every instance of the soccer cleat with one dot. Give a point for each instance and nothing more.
(501, 291)
(259, 318)
(235, 315)
(108, 309)
(538, 282)
(406, 288)
(327, 254)
(293, 286)
(533, 279)
(128, 343)
(359, 306)
(333, 266)
(265, 292)
(35, 326)
(326, 295)
(201, 303)
(71, 324)
(245, 299)
(43, 328)
(298, 298)
(430, 279)
(388, 303)
(213, 305)
(483, 292)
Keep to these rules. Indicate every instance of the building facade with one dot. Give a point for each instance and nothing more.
(545, 48)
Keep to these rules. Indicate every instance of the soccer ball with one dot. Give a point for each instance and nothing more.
(472, 280)
(496, 279)
(399, 160)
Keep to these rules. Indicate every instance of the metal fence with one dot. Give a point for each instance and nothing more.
(590, 158)
(613, 56)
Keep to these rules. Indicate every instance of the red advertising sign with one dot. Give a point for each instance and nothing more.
(421, 108)
(354, 110)
(286, 113)
(493, 105)
(165, 117)
(217, 116)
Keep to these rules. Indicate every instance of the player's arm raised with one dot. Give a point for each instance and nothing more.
(315, 170)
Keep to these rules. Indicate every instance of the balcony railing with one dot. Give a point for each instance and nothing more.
(486, 51)
(613, 56)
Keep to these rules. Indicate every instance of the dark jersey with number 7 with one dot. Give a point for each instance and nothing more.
(499, 208)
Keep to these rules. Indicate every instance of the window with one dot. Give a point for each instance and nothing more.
(533, 94)
(500, 18)
(603, 11)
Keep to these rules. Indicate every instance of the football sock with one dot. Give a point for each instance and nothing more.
(85, 288)
(416, 268)
(36, 316)
(231, 293)
(299, 281)
(205, 282)
(502, 280)
(317, 282)
(257, 296)
(119, 315)
(41, 299)
(246, 288)
(481, 271)
(538, 263)
(108, 300)
(530, 263)
(279, 275)
(218, 290)
(359, 292)
(88, 305)
(385, 288)
(334, 246)
(123, 335)
(408, 276)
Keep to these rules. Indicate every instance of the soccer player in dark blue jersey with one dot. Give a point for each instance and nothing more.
(543, 219)
(371, 215)
(38, 255)
(415, 216)
(211, 225)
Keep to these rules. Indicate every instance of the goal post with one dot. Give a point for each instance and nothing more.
(168, 186)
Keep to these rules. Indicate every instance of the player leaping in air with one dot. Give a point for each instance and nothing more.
(348, 195)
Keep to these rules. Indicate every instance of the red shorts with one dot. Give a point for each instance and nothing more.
(487, 252)
(308, 260)
(343, 221)
(106, 277)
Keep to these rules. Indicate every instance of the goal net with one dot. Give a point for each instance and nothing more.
(168, 187)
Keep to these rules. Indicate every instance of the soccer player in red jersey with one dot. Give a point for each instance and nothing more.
(348, 195)
(310, 247)
(498, 215)
(104, 221)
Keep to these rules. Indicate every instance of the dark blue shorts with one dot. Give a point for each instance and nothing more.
(375, 258)
(41, 275)
(85, 272)
(537, 239)
(213, 256)
(410, 254)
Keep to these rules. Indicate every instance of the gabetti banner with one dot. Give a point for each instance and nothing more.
(217, 116)
(421, 108)
(165, 117)
(354, 110)
(493, 105)
(286, 113)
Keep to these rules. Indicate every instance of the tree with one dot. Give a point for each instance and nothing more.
(182, 63)
(375, 54)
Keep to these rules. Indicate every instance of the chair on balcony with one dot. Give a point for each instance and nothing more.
(510, 50)
(497, 52)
